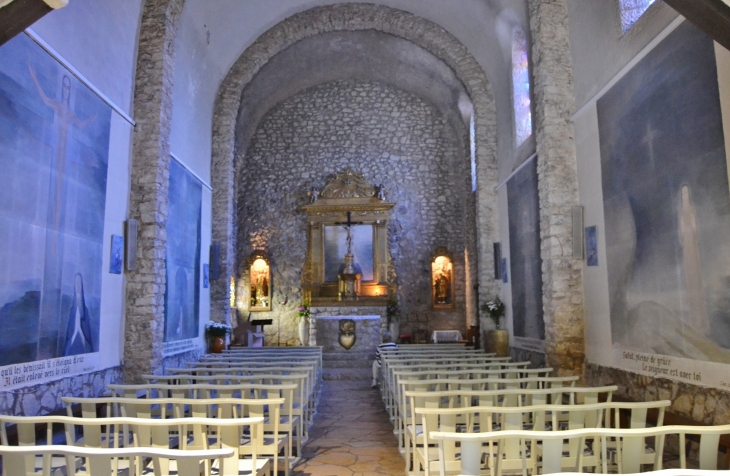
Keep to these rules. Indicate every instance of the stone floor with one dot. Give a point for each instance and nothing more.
(351, 435)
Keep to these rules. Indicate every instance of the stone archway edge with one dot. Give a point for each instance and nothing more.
(347, 17)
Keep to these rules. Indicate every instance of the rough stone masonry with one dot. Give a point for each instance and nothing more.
(391, 137)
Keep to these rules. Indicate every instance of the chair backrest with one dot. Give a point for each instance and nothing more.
(21, 460)
(152, 433)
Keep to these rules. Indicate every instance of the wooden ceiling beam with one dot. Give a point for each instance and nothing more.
(710, 16)
(19, 15)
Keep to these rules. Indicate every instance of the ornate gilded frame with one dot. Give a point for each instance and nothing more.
(347, 192)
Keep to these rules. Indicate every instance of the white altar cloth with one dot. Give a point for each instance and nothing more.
(445, 336)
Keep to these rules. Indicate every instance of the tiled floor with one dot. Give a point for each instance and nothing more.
(351, 435)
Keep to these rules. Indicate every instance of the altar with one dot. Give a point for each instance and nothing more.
(356, 334)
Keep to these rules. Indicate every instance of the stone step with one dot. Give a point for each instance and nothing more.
(359, 360)
(343, 364)
(364, 375)
(333, 356)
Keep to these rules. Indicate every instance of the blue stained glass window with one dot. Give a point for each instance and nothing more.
(521, 86)
(631, 10)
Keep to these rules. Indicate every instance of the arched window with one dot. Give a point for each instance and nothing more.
(631, 10)
(521, 86)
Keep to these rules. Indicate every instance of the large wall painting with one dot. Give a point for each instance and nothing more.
(525, 262)
(182, 295)
(667, 206)
(54, 142)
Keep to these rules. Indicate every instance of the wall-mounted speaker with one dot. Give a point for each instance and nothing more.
(578, 244)
(215, 261)
(130, 231)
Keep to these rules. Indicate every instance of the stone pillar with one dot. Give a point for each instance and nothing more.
(225, 213)
(558, 185)
(145, 312)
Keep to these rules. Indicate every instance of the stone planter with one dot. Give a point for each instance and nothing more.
(498, 342)
(304, 332)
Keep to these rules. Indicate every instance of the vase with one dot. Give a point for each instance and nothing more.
(304, 331)
(218, 345)
(394, 329)
(498, 342)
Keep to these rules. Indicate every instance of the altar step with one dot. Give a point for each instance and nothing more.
(347, 366)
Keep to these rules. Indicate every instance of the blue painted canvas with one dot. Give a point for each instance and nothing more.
(206, 276)
(667, 202)
(591, 246)
(54, 143)
(524, 252)
(117, 254)
(182, 295)
(505, 275)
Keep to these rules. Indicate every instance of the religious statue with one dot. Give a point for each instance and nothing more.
(442, 289)
(381, 192)
(442, 280)
(349, 240)
(313, 195)
(262, 290)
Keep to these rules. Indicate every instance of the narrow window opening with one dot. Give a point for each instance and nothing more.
(521, 87)
(631, 10)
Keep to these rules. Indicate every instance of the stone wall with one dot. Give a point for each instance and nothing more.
(706, 405)
(389, 136)
(46, 397)
(352, 17)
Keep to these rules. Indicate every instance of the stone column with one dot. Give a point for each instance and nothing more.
(150, 176)
(225, 213)
(558, 185)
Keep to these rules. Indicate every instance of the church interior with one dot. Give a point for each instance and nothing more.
(305, 180)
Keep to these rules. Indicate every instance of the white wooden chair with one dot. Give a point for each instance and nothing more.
(153, 433)
(21, 460)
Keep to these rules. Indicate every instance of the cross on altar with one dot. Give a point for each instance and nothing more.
(348, 227)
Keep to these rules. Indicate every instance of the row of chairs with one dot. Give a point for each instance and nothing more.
(434, 392)
(271, 403)
(133, 446)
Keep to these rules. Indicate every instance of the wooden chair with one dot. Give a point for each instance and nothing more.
(153, 433)
(20, 460)
(709, 436)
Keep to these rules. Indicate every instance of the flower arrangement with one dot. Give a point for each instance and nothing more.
(495, 310)
(304, 311)
(217, 329)
(392, 311)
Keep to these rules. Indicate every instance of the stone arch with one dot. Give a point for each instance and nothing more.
(348, 17)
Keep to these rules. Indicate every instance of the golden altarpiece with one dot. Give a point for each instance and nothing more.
(348, 261)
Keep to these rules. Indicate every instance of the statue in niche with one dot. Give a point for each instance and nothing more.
(260, 285)
(442, 281)
(442, 289)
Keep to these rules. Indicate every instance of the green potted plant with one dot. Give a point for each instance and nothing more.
(215, 335)
(303, 316)
(497, 339)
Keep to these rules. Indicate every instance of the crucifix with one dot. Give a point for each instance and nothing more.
(348, 227)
